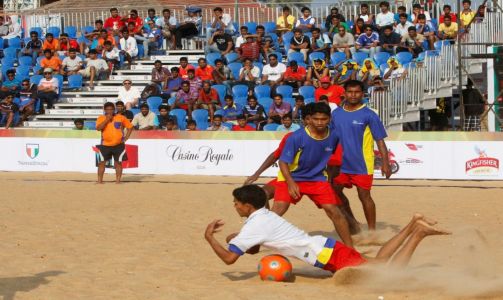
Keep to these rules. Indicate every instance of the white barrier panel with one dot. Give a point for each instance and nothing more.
(414, 160)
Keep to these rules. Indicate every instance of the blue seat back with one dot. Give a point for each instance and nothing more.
(316, 55)
(381, 57)
(270, 27)
(296, 56)
(90, 125)
(262, 91)
(235, 67)
(59, 77)
(154, 103)
(23, 72)
(337, 57)
(71, 31)
(307, 91)
(285, 91)
(180, 115)
(266, 102)
(75, 81)
(35, 79)
(271, 127)
(359, 57)
(404, 57)
(24, 61)
(211, 57)
(10, 53)
(231, 57)
(14, 43)
(222, 91)
(383, 68)
(54, 30)
(240, 91)
(201, 118)
(252, 27)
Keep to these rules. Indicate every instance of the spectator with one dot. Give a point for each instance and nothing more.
(368, 42)
(208, 99)
(191, 125)
(447, 12)
(129, 47)
(242, 125)
(111, 56)
(129, 94)
(174, 83)
(163, 117)
(254, 112)
(297, 109)
(343, 42)
(426, 30)
(412, 42)
(27, 98)
(389, 40)
(294, 75)
(335, 25)
(299, 43)
(377, 84)
(222, 74)
(447, 30)
(184, 67)
(480, 15)
(241, 39)
(48, 89)
(402, 28)
(249, 50)
(204, 71)
(50, 61)
(265, 42)
(50, 43)
(231, 110)
(349, 72)
(150, 17)
(4, 28)
(417, 10)
(287, 124)
(33, 48)
(317, 71)
(368, 72)
(219, 42)
(385, 17)
(136, 20)
(15, 29)
(96, 68)
(249, 74)
(466, 15)
(160, 75)
(366, 17)
(72, 64)
(79, 124)
(439, 116)
(334, 12)
(114, 24)
(189, 27)
(171, 125)
(474, 107)
(358, 28)
(145, 119)
(221, 21)
(306, 22)
(7, 110)
(285, 22)
(334, 93)
(394, 70)
(103, 37)
(319, 42)
(185, 98)
(10, 85)
(66, 43)
(216, 125)
(324, 99)
(278, 109)
(195, 82)
(154, 35)
(400, 10)
(121, 110)
(273, 72)
(167, 23)
(90, 40)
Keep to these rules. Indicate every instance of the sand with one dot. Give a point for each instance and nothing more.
(64, 237)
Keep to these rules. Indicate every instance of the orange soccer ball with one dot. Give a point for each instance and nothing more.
(275, 268)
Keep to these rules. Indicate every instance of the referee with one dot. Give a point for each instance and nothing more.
(112, 127)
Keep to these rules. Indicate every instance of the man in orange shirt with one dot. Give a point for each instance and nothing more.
(184, 67)
(113, 140)
(204, 71)
(50, 43)
(50, 61)
(334, 92)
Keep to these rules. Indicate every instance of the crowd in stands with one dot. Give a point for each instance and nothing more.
(242, 83)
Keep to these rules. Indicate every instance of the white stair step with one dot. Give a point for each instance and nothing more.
(88, 100)
(182, 52)
(172, 57)
(64, 112)
(96, 92)
(115, 83)
(53, 116)
(121, 78)
(77, 105)
(49, 124)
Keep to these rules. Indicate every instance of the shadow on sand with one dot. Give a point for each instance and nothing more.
(11, 285)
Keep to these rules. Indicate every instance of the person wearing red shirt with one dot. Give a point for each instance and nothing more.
(65, 44)
(447, 12)
(242, 126)
(208, 99)
(204, 71)
(133, 18)
(294, 75)
(334, 92)
(114, 23)
(250, 50)
(184, 67)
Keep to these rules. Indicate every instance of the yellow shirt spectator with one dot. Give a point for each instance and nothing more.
(281, 22)
(466, 17)
(449, 32)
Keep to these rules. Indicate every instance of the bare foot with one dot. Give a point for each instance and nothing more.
(430, 230)
(418, 216)
(99, 182)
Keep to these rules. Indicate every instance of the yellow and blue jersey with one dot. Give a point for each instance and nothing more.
(357, 131)
(306, 156)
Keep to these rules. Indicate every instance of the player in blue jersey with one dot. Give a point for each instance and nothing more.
(303, 170)
(358, 127)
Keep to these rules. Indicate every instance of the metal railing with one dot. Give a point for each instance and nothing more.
(380, 100)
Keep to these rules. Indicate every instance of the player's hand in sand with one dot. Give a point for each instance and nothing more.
(251, 179)
(213, 228)
(386, 170)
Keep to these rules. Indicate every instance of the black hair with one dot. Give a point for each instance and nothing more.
(447, 6)
(306, 110)
(175, 69)
(250, 194)
(447, 17)
(218, 9)
(416, 6)
(286, 8)
(201, 59)
(217, 117)
(34, 33)
(47, 51)
(166, 10)
(107, 43)
(158, 61)
(323, 97)
(151, 10)
(315, 29)
(78, 121)
(467, 1)
(278, 95)
(134, 11)
(191, 122)
(93, 51)
(108, 104)
(411, 28)
(364, 5)
(304, 9)
(49, 34)
(144, 105)
(388, 27)
(241, 117)
(260, 27)
(384, 3)
(421, 16)
(119, 103)
(402, 8)
(299, 97)
(113, 9)
(170, 121)
(367, 27)
(321, 108)
(243, 27)
(252, 97)
(98, 22)
(191, 71)
(287, 116)
(246, 59)
(354, 83)
(11, 71)
(184, 58)
(163, 106)
(273, 55)
(297, 30)
(228, 97)
(218, 60)
(403, 15)
(186, 82)
(63, 35)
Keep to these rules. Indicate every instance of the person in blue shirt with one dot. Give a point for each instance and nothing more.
(231, 110)
(426, 29)
(368, 42)
(303, 163)
(11, 85)
(287, 124)
(358, 127)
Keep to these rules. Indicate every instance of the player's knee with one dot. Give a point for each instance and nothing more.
(280, 207)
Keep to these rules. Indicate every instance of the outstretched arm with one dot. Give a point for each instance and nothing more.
(269, 161)
(225, 255)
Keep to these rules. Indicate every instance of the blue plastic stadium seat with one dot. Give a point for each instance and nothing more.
(270, 27)
(180, 115)
(240, 91)
(60, 79)
(359, 57)
(14, 43)
(381, 57)
(10, 53)
(297, 56)
(262, 91)
(54, 30)
(235, 67)
(90, 125)
(38, 30)
(271, 127)
(222, 91)
(307, 91)
(404, 57)
(211, 57)
(252, 27)
(35, 79)
(24, 61)
(154, 103)
(231, 57)
(337, 57)
(201, 118)
(266, 102)
(71, 31)
(285, 91)
(316, 55)
(75, 81)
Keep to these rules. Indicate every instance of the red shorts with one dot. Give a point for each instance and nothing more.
(343, 257)
(320, 192)
(363, 181)
(336, 158)
(273, 182)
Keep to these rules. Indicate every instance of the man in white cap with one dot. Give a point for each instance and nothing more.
(129, 94)
(48, 89)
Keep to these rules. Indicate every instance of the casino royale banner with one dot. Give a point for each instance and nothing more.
(413, 155)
